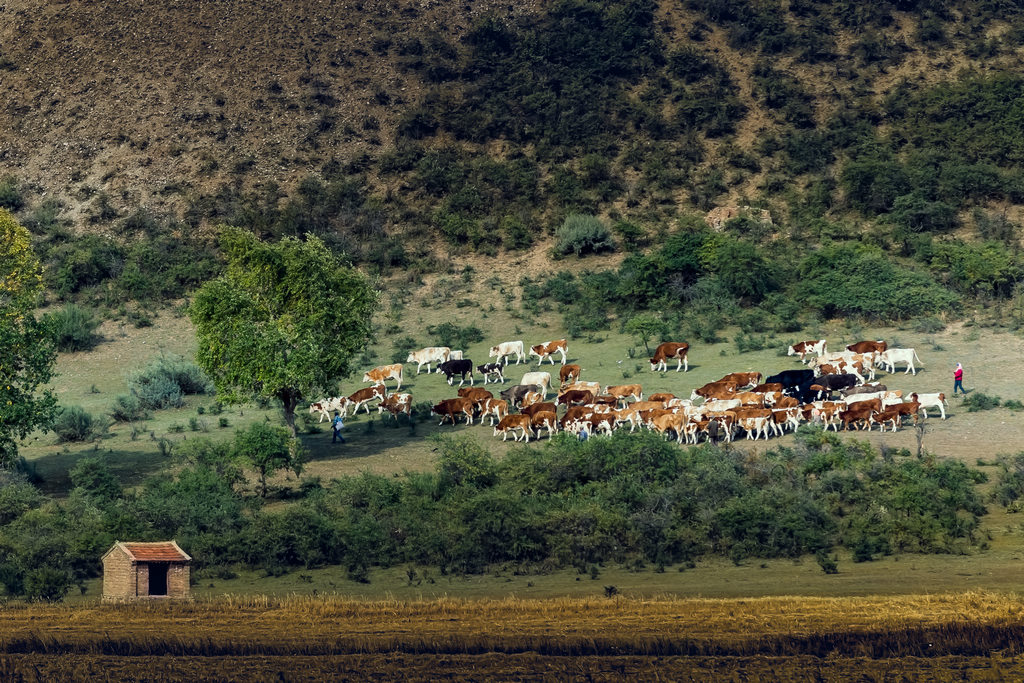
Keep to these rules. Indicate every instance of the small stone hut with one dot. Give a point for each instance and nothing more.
(144, 571)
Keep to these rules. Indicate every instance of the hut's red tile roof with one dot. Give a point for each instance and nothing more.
(156, 552)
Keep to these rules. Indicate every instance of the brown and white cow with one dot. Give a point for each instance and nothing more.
(493, 408)
(592, 387)
(743, 379)
(474, 393)
(505, 349)
(548, 349)
(668, 350)
(931, 401)
(510, 423)
(541, 380)
(362, 398)
(540, 407)
(574, 397)
(544, 419)
(385, 372)
(715, 390)
(805, 347)
(325, 407)
(868, 347)
(428, 355)
(395, 404)
(624, 392)
(568, 374)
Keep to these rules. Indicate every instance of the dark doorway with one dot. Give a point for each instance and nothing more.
(157, 578)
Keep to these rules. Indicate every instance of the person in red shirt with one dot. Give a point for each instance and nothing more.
(958, 380)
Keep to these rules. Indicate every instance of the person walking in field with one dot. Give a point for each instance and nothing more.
(336, 424)
(958, 379)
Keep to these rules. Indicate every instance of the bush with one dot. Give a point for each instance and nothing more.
(580, 234)
(73, 424)
(10, 194)
(164, 381)
(74, 328)
(46, 584)
(976, 401)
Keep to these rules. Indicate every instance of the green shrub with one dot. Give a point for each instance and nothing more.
(93, 477)
(977, 401)
(581, 234)
(164, 382)
(73, 424)
(45, 584)
(74, 328)
(128, 408)
(10, 193)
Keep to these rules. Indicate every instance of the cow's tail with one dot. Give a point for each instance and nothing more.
(915, 356)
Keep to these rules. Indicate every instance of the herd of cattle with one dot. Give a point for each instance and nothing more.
(740, 402)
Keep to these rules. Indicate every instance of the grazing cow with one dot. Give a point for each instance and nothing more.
(505, 349)
(624, 392)
(871, 347)
(510, 423)
(475, 394)
(890, 415)
(431, 354)
(574, 397)
(515, 394)
(931, 401)
(491, 371)
(449, 408)
(325, 407)
(863, 389)
(395, 404)
(743, 379)
(538, 379)
(548, 349)
(493, 408)
(544, 419)
(385, 372)
(668, 350)
(450, 368)
(362, 398)
(540, 407)
(891, 357)
(568, 374)
(805, 347)
(714, 390)
(791, 378)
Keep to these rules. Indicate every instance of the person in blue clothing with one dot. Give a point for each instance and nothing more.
(336, 424)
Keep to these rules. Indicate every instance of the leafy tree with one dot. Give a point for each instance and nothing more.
(268, 449)
(284, 321)
(27, 350)
(645, 327)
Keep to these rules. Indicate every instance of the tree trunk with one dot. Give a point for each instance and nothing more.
(289, 400)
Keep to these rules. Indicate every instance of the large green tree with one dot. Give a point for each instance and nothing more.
(27, 351)
(283, 322)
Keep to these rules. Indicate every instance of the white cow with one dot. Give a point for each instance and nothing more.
(890, 357)
(455, 354)
(505, 349)
(326, 406)
(889, 398)
(805, 347)
(538, 379)
(431, 354)
(931, 401)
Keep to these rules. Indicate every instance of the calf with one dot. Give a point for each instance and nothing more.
(857, 412)
(910, 408)
(890, 415)
(568, 374)
(326, 406)
(510, 423)
(931, 401)
(449, 408)
(548, 349)
(805, 347)
(385, 372)
(491, 371)
(362, 398)
(462, 367)
(493, 408)
(667, 351)
(395, 404)
(531, 398)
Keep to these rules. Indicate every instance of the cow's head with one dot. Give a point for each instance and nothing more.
(410, 359)
(494, 352)
(367, 378)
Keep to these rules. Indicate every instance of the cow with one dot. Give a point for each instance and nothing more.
(592, 387)
(910, 408)
(859, 412)
(574, 413)
(670, 422)
(714, 390)
(325, 407)
(863, 389)
(493, 408)
(624, 392)
(931, 401)
(362, 398)
(385, 372)
(805, 347)
(530, 399)
(475, 394)
(574, 397)
(450, 368)
(766, 387)
(538, 379)
(548, 349)
(510, 423)
(783, 417)
(455, 355)
(568, 374)
(791, 378)
(515, 394)
(743, 379)
(871, 347)
(540, 407)
(891, 357)
(395, 404)
(829, 383)
(491, 371)
(428, 355)
(505, 349)
(449, 408)
(668, 350)
(890, 415)
(544, 419)
(663, 396)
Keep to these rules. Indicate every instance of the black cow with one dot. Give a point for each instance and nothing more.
(864, 389)
(791, 378)
(461, 367)
(515, 394)
(491, 371)
(837, 382)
